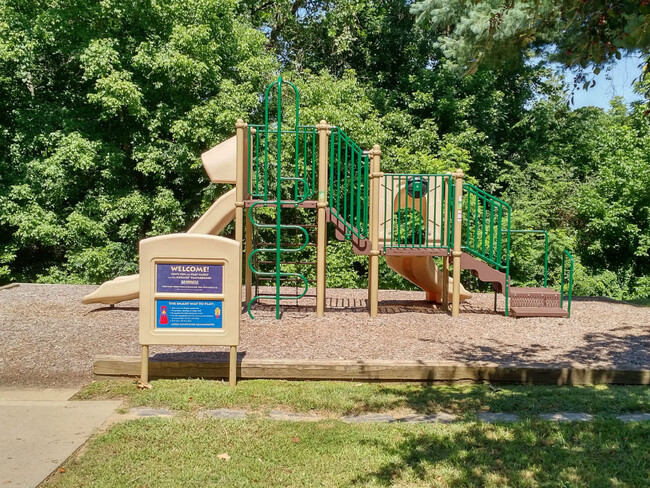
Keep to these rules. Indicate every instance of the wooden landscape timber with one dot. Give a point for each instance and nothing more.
(418, 371)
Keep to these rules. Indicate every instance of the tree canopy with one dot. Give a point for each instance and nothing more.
(106, 106)
(577, 33)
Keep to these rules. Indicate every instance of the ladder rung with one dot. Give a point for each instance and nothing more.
(287, 262)
(272, 278)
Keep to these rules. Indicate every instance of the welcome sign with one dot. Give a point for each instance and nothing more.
(189, 278)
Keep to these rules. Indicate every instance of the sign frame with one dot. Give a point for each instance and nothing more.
(190, 250)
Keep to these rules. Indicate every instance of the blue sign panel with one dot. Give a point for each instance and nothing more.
(189, 278)
(189, 314)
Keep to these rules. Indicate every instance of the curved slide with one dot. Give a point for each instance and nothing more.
(124, 288)
(219, 164)
(423, 272)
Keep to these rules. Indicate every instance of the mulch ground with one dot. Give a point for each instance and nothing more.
(49, 338)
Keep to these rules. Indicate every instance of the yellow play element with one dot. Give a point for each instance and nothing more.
(219, 164)
(423, 272)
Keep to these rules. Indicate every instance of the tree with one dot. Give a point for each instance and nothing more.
(104, 110)
(578, 33)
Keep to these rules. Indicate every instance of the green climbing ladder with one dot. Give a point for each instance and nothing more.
(279, 189)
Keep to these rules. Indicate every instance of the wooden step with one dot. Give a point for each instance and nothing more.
(518, 312)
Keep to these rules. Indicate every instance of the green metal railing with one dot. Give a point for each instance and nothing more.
(486, 217)
(417, 211)
(298, 145)
(564, 255)
(536, 231)
(349, 169)
(277, 188)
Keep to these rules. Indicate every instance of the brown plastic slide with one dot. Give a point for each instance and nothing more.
(219, 163)
(423, 272)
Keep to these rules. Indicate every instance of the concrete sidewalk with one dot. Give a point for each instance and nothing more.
(40, 429)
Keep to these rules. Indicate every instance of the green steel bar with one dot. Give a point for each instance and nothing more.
(351, 217)
(491, 251)
(452, 217)
(359, 190)
(331, 166)
(412, 213)
(484, 219)
(338, 177)
(257, 163)
(249, 186)
(564, 255)
(499, 229)
(366, 207)
(476, 223)
(398, 237)
(469, 209)
(313, 162)
(385, 209)
(425, 224)
(346, 217)
(278, 207)
(507, 294)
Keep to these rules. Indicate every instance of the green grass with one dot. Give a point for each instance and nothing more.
(182, 452)
(342, 398)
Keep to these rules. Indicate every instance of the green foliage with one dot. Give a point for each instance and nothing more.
(105, 108)
(580, 32)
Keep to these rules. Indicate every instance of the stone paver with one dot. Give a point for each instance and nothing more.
(371, 417)
(492, 417)
(567, 417)
(151, 412)
(634, 417)
(293, 416)
(223, 413)
(440, 417)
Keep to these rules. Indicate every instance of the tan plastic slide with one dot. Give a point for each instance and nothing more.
(423, 272)
(219, 163)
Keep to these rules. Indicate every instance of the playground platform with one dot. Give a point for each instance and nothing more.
(48, 338)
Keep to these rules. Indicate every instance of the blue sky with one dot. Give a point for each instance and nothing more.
(609, 84)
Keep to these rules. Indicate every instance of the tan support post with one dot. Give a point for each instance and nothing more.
(239, 188)
(373, 264)
(232, 372)
(321, 239)
(144, 368)
(458, 221)
(248, 236)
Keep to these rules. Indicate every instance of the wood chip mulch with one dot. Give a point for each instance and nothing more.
(49, 338)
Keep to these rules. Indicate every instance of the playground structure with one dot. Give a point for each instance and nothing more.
(282, 174)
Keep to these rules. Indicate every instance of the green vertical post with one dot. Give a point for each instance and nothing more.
(278, 207)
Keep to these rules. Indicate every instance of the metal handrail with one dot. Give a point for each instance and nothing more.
(564, 255)
(494, 254)
(399, 232)
(352, 205)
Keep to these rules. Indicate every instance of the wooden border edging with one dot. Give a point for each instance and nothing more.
(371, 370)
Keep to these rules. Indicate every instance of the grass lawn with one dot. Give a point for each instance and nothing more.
(343, 398)
(183, 452)
(186, 451)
